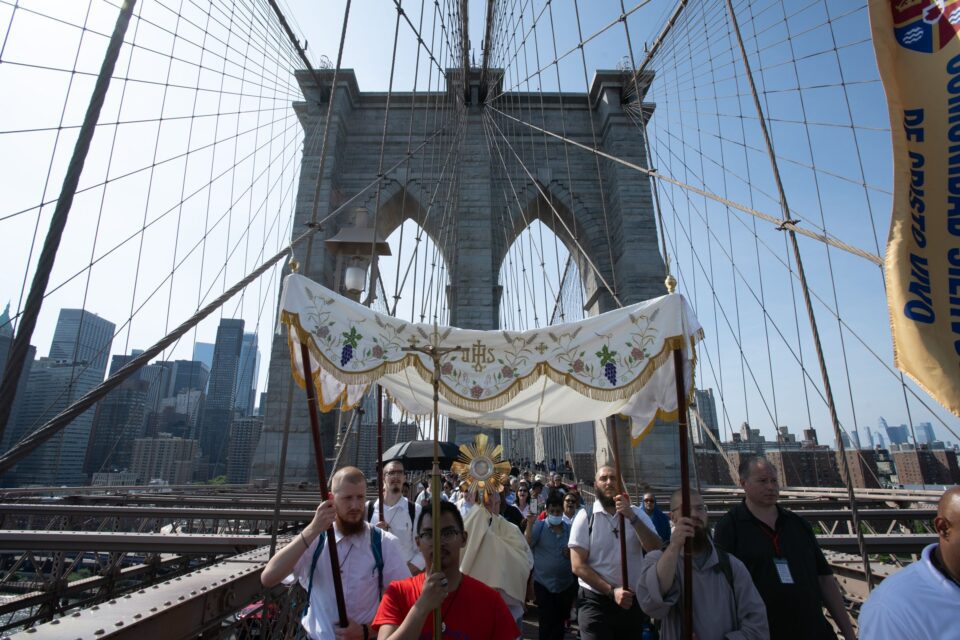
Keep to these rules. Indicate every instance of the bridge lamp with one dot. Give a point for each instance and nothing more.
(353, 245)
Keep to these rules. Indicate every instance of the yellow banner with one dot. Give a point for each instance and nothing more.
(918, 53)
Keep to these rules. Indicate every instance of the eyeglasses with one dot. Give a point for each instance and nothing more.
(447, 533)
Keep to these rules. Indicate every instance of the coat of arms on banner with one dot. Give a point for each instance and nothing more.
(925, 25)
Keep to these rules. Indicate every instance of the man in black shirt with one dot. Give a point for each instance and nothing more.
(781, 552)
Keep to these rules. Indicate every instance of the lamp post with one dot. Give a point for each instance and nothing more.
(353, 246)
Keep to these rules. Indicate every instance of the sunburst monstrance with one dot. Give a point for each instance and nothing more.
(481, 465)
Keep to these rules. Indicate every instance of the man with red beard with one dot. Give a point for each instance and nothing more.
(363, 577)
(726, 605)
(606, 609)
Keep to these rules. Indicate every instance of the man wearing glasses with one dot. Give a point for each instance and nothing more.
(468, 608)
(657, 517)
(399, 514)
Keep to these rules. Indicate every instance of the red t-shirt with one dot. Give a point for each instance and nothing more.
(473, 612)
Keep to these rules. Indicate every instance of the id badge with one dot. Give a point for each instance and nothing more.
(783, 571)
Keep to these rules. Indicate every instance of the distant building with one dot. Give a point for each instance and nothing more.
(706, 407)
(164, 458)
(244, 435)
(118, 421)
(203, 352)
(750, 435)
(114, 479)
(810, 437)
(11, 435)
(924, 466)
(186, 375)
(924, 431)
(248, 368)
(785, 437)
(218, 410)
(712, 469)
(84, 337)
(864, 473)
(806, 467)
(78, 361)
(898, 435)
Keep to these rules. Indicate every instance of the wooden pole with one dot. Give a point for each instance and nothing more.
(322, 475)
(622, 490)
(685, 494)
(380, 476)
(435, 486)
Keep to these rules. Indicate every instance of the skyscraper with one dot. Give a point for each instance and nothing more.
(247, 372)
(119, 420)
(218, 409)
(203, 352)
(925, 433)
(82, 337)
(188, 374)
(707, 408)
(6, 341)
(78, 361)
(244, 435)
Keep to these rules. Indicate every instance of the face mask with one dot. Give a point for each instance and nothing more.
(554, 521)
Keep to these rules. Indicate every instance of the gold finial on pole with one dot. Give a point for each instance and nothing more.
(671, 283)
(293, 263)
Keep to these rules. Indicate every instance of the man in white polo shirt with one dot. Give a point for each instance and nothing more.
(399, 515)
(605, 609)
(921, 601)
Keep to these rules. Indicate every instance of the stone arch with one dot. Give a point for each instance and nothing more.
(407, 200)
(576, 227)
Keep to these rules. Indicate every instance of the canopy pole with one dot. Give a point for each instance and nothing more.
(380, 474)
(322, 475)
(685, 494)
(612, 430)
(435, 486)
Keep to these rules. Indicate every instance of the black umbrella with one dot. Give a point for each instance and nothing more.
(417, 455)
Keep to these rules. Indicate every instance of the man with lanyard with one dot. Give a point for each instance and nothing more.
(607, 610)
(726, 605)
(468, 608)
(358, 546)
(922, 600)
(785, 561)
(399, 514)
(554, 585)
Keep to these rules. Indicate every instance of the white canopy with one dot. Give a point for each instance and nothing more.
(620, 362)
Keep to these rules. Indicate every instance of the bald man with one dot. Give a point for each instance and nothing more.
(922, 601)
(364, 575)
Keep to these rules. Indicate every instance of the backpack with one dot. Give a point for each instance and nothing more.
(411, 509)
(376, 548)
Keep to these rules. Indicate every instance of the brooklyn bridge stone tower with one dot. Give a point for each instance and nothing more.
(612, 219)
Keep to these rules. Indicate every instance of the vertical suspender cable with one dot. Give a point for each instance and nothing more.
(28, 321)
(828, 392)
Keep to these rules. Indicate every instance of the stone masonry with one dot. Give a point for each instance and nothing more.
(473, 198)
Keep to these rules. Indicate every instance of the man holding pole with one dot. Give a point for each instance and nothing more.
(468, 608)
(728, 606)
(369, 560)
(606, 608)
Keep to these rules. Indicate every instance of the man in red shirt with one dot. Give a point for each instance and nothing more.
(469, 609)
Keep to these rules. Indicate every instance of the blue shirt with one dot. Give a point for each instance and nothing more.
(551, 567)
(661, 522)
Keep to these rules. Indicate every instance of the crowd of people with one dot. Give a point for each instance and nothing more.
(759, 574)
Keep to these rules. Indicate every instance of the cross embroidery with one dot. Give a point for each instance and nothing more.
(414, 342)
(481, 356)
(542, 348)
